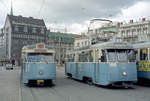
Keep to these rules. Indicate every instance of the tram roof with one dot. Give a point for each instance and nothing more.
(34, 46)
(113, 45)
(38, 48)
(142, 45)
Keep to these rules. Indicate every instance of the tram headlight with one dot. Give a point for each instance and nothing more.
(124, 73)
(41, 73)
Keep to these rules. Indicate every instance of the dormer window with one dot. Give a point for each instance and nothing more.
(42, 30)
(16, 28)
(25, 29)
(33, 30)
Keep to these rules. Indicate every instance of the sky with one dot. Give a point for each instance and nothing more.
(74, 15)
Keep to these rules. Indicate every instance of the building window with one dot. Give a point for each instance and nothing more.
(16, 28)
(33, 30)
(78, 44)
(25, 29)
(42, 30)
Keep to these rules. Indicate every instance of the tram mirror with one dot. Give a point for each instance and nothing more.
(101, 58)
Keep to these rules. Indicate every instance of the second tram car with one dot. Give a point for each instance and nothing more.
(103, 64)
(38, 65)
(143, 60)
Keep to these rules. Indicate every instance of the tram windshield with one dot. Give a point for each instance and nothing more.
(40, 57)
(120, 55)
(111, 55)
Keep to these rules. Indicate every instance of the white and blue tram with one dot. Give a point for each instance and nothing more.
(38, 66)
(103, 64)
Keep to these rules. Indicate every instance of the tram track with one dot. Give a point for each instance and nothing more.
(72, 90)
(33, 94)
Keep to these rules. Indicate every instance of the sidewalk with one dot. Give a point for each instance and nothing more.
(10, 85)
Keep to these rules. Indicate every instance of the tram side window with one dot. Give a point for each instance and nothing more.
(83, 57)
(70, 58)
(143, 54)
(90, 56)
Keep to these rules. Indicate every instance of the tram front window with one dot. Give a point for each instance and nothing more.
(40, 57)
(122, 55)
(117, 55)
(111, 55)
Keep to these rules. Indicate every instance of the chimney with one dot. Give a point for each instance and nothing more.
(118, 24)
(65, 30)
(143, 19)
(131, 21)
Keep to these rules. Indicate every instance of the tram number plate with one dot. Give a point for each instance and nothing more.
(40, 81)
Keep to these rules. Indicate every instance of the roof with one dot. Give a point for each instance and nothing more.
(113, 45)
(81, 37)
(26, 20)
(34, 46)
(142, 45)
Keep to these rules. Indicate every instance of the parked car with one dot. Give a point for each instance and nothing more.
(9, 67)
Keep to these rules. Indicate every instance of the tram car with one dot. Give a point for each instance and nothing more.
(38, 66)
(104, 64)
(143, 61)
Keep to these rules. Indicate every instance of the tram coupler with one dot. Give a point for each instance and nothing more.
(127, 85)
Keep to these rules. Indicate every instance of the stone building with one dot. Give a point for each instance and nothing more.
(20, 31)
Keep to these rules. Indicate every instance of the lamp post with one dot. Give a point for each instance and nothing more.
(59, 49)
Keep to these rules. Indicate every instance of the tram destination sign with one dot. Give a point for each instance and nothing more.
(40, 50)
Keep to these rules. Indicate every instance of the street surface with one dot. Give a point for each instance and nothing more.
(9, 84)
(72, 90)
(65, 90)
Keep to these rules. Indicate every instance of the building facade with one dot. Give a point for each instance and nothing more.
(20, 31)
(135, 32)
(82, 42)
(132, 31)
(2, 49)
(61, 43)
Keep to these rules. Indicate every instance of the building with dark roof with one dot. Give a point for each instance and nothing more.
(61, 43)
(20, 31)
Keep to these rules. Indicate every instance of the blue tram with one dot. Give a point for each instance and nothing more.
(103, 64)
(38, 65)
(143, 60)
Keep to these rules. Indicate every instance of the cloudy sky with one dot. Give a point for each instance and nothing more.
(75, 14)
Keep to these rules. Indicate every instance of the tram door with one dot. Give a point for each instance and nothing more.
(97, 72)
(77, 70)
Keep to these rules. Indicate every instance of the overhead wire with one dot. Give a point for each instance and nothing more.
(42, 5)
(5, 6)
